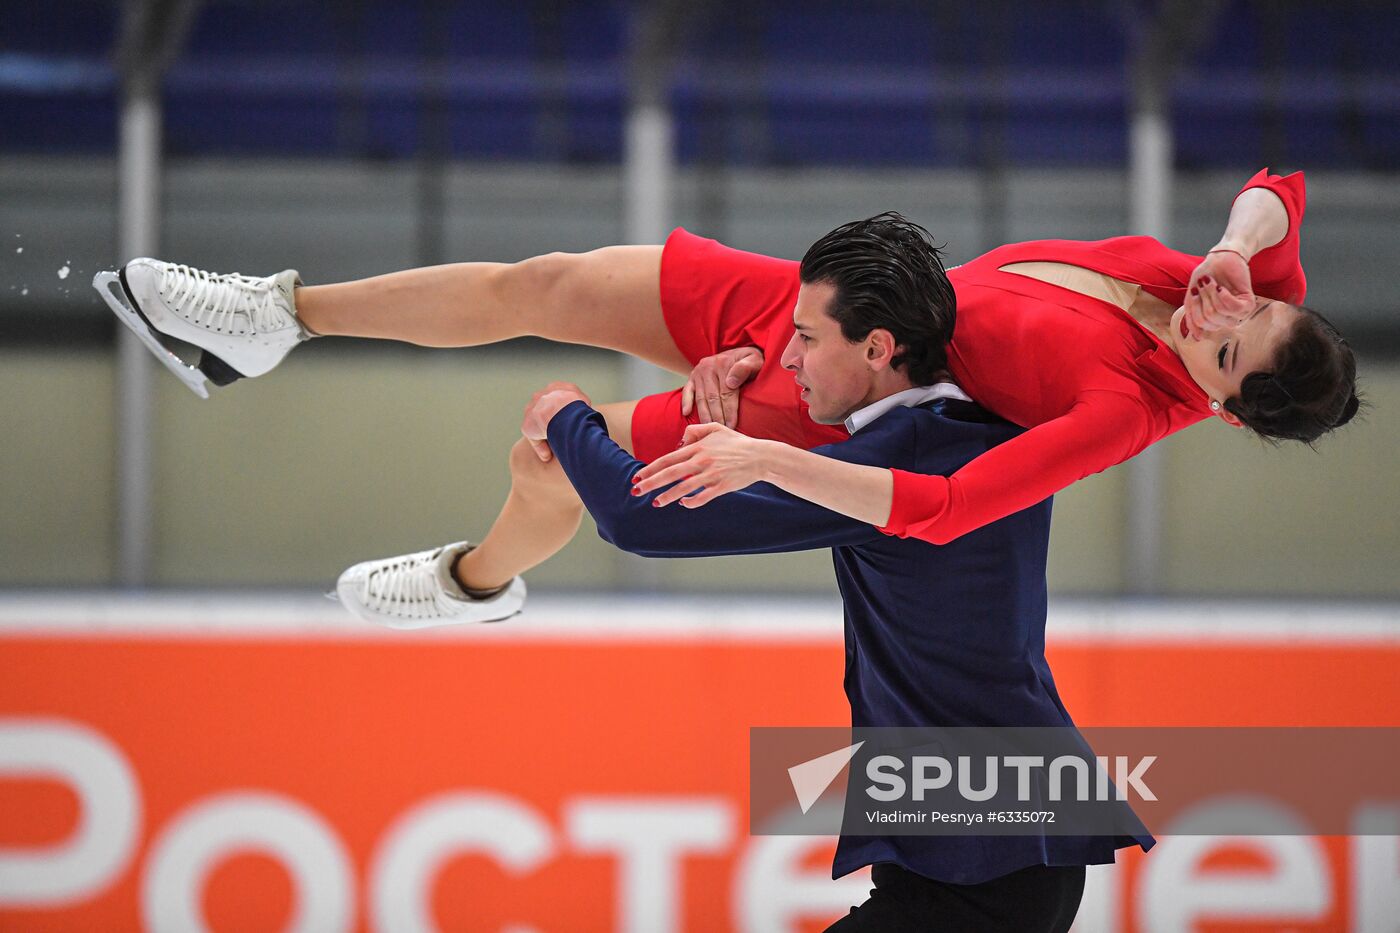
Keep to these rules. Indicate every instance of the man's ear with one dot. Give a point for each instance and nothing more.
(880, 348)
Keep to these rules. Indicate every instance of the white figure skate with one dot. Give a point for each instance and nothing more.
(243, 325)
(418, 591)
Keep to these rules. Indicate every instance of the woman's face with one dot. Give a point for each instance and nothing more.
(1219, 361)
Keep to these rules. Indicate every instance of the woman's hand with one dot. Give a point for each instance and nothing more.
(711, 455)
(713, 386)
(1220, 293)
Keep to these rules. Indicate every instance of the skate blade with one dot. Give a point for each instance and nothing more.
(109, 286)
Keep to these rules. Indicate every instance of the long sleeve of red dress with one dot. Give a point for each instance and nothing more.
(1102, 426)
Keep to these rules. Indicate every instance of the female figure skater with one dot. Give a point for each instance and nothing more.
(1100, 348)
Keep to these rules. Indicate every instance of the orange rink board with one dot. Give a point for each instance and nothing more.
(192, 763)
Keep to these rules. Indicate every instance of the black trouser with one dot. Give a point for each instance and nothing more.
(1039, 899)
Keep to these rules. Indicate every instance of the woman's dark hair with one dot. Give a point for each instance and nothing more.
(888, 274)
(1310, 390)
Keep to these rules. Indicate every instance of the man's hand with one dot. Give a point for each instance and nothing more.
(1220, 293)
(713, 386)
(713, 456)
(543, 406)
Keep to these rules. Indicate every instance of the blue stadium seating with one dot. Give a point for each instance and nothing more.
(781, 82)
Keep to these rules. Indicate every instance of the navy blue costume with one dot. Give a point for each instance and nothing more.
(947, 635)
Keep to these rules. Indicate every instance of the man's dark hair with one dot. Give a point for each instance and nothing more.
(1310, 390)
(888, 274)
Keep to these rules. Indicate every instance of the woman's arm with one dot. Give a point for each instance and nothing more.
(1258, 253)
(861, 492)
(722, 460)
(1103, 429)
(1258, 220)
(1277, 268)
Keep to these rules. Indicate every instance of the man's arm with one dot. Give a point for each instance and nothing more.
(759, 519)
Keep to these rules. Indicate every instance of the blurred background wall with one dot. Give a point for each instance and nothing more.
(348, 139)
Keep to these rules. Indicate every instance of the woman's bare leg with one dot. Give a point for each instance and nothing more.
(541, 514)
(608, 298)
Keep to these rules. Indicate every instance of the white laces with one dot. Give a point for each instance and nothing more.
(218, 301)
(408, 586)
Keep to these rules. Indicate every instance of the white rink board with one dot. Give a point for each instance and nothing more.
(553, 617)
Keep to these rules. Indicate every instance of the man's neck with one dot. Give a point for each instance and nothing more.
(884, 388)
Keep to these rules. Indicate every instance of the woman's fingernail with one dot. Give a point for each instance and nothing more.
(1195, 290)
(656, 503)
(636, 491)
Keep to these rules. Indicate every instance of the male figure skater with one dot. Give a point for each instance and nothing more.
(949, 635)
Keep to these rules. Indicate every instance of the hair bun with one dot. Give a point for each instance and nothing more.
(1348, 410)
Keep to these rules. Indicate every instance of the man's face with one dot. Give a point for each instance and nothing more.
(832, 371)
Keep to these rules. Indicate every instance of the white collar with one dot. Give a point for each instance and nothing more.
(907, 397)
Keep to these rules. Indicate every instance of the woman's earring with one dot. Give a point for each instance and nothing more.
(1214, 405)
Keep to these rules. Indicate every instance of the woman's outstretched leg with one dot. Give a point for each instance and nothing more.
(608, 298)
(245, 326)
